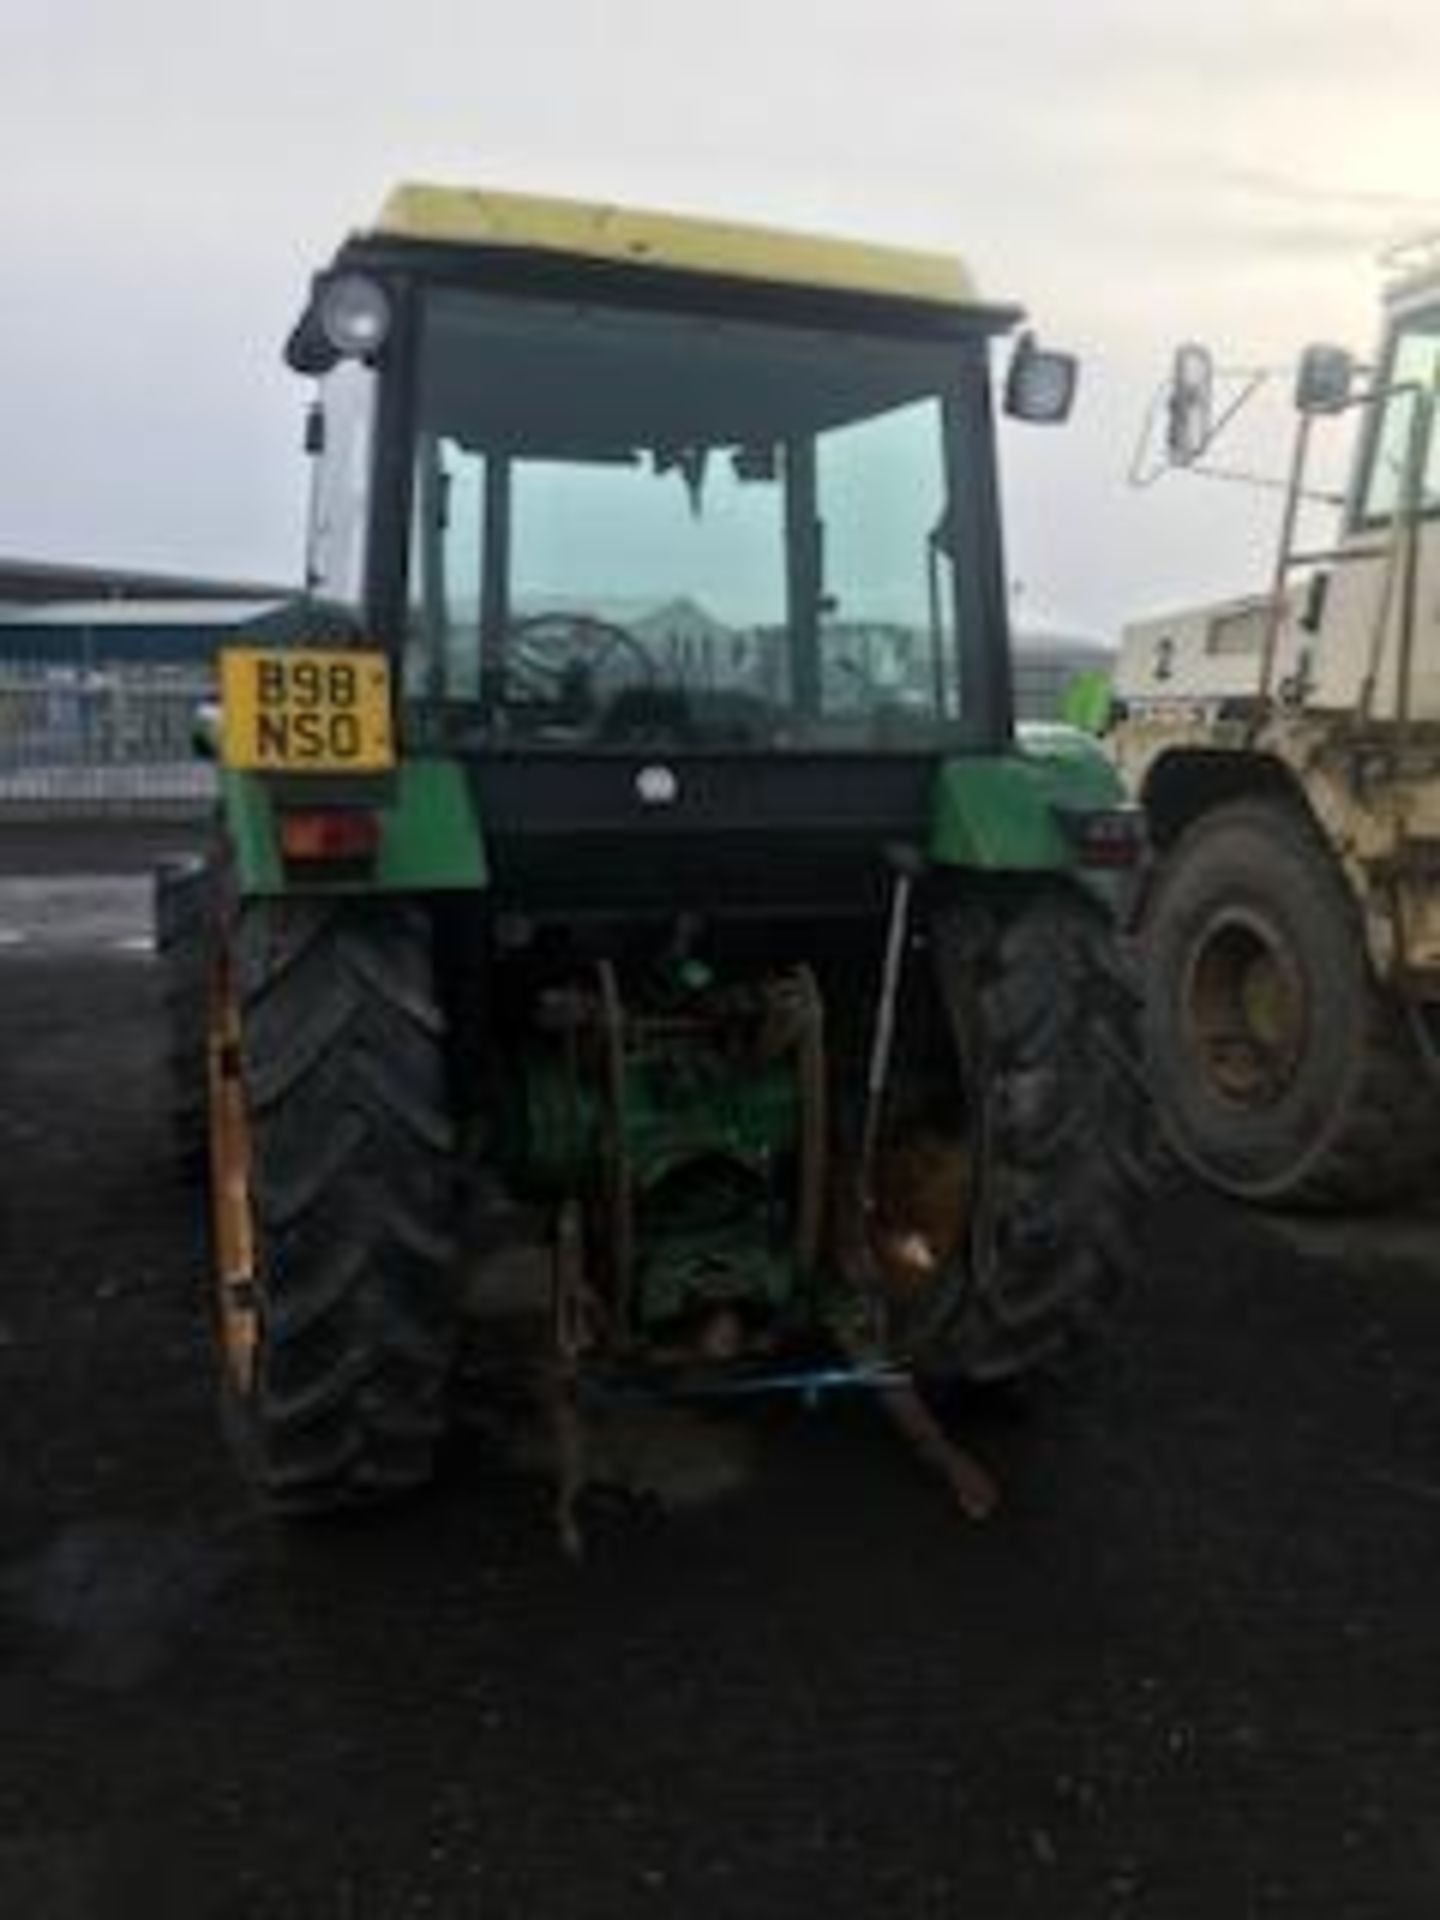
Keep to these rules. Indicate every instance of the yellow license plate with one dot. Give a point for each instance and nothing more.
(305, 711)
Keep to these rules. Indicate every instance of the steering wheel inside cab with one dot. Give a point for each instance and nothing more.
(565, 671)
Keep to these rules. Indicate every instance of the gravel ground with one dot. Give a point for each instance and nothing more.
(1191, 1669)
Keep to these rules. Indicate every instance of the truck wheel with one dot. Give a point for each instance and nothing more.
(333, 1197)
(1283, 1073)
(1044, 1012)
(182, 896)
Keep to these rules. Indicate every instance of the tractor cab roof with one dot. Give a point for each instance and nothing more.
(477, 218)
(533, 244)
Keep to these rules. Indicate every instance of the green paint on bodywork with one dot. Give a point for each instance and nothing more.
(682, 1104)
(430, 839)
(998, 813)
(708, 1130)
(250, 827)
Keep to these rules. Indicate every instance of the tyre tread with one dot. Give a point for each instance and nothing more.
(354, 1192)
(1055, 1037)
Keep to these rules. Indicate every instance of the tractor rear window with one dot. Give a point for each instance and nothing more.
(630, 525)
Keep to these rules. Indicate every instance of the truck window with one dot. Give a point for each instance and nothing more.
(1413, 361)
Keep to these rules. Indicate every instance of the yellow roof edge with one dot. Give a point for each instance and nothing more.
(481, 217)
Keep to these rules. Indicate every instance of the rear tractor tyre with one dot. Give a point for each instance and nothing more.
(183, 893)
(1284, 1074)
(333, 1198)
(1043, 1006)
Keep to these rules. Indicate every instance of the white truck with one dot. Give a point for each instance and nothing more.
(1286, 747)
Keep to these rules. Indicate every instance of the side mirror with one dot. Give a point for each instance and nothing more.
(1323, 379)
(1190, 404)
(1040, 385)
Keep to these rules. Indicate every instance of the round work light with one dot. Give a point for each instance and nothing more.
(354, 315)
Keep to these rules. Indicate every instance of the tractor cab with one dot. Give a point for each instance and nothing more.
(657, 481)
(622, 491)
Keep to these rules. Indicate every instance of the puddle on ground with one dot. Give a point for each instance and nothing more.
(104, 912)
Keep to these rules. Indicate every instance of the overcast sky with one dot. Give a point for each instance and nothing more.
(1135, 171)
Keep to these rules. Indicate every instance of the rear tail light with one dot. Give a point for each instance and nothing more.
(334, 837)
(1106, 836)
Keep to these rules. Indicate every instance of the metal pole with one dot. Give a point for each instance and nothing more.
(495, 578)
(803, 571)
(1422, 422)
(937, 626)
(433, 596)
(883, 1040)
(1288, 522)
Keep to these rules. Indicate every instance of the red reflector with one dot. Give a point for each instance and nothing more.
(331, 835)
(1108, 837)
(1110, 840)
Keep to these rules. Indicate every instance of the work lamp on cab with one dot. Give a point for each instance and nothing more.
(354, 315)
(1040, 385)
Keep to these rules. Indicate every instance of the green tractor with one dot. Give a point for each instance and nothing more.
(628, 872)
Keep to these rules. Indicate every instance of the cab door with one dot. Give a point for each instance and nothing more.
(1376, 589)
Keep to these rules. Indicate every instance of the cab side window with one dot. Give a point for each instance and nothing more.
(1414, 362)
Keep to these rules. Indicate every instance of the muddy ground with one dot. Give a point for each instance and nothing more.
(1192, 1669)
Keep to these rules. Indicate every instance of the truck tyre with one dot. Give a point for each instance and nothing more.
(182, 895)
(333, 1198)
(1042, 1003)
(1284, 1075)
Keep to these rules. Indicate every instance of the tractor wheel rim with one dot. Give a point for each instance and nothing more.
(1244, 1009)
(236, 1301)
